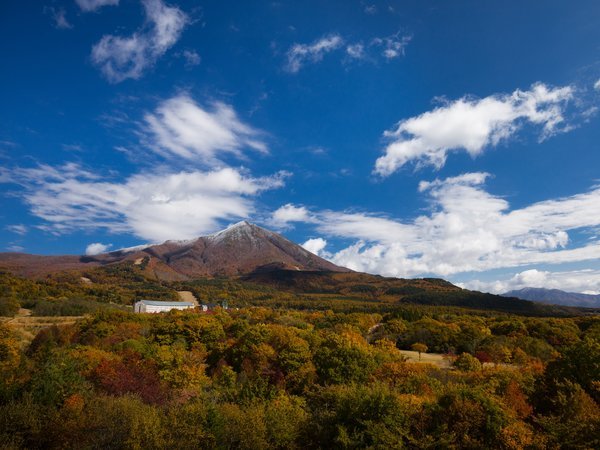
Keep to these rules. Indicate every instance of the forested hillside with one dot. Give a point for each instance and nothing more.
(300, 360)
(281, 378)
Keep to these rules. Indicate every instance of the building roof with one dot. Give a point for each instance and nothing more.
(162, 303)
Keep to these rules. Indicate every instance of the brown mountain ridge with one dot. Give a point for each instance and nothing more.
(240, 249)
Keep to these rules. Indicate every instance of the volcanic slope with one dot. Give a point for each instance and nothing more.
(239, 249)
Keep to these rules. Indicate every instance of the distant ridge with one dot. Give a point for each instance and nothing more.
(555, 297)
(239, 249)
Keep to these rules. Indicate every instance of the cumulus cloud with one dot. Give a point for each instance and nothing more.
(96, 248)
(315, 246)
(154, 206)
(120, 58)
(584, 281)
(180, 127)
(467, 229)
(299, 54)
(287, 214)
(93, 5)
(471, 125)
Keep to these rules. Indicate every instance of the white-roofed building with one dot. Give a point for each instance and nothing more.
(155, 306)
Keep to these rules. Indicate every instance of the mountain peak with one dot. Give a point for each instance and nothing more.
(556, 297)
(241, 248)
(239, 230)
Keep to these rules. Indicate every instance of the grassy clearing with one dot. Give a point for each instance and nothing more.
(27, 327)
(438, 359)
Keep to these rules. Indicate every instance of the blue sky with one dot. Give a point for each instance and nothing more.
(407, 138)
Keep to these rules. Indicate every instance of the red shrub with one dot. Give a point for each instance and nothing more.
(131, 374)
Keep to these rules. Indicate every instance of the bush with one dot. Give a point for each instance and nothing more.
(467, 363)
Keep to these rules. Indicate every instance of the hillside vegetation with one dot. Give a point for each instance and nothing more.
(259, 378)
(301, 360)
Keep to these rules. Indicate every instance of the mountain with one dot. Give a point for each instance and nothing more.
(357, 286)
(255, 256)
(240, 249)
(556, 297)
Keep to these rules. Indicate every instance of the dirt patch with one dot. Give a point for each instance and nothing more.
(187, 296)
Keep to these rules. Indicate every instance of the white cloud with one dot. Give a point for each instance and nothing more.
(120, 58)
(153, 206)
(93, 5)
(471, 125)
(316, 245)
(468, 229)
(299, 54)
(584, 281)
(356, 51)
(192, 58)
(289, 213)
(59, 16)
(15, 248)
(597, 85)
(17, 228)
(370, 9)
(392, 46)
(181, 128)
(96, 248)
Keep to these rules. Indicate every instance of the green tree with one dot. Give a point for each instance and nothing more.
(343, 358)
(467, 363)
(466, 419)
(9, 305)
(360, 416)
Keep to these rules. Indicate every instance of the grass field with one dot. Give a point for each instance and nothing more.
(27, 326)
(437, 359)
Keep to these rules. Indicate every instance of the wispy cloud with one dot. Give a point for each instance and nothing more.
(472, 125)
(191, 57)
(152, 205)
(17, 228)
(182, 128)
(370, 9)
(468, 229)
(59, 16)
(299, 54)
(120, 58)
(356, 51)
(93, 5)
(392, 46)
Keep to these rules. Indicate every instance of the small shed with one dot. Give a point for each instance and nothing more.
(156, 306)
(211, 306)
